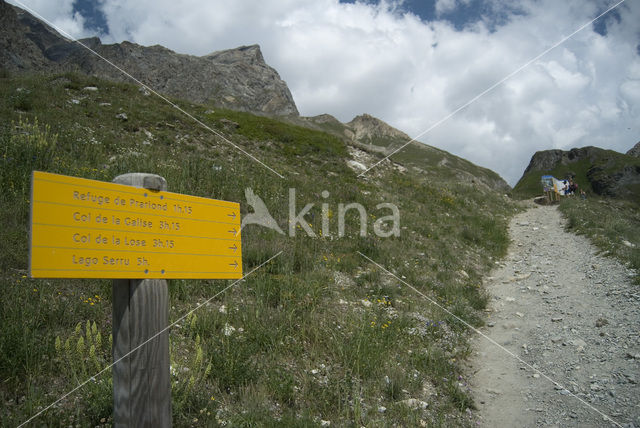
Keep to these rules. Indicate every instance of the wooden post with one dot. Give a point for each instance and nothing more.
(141, 381)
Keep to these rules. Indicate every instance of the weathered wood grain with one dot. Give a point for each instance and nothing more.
(141, 380)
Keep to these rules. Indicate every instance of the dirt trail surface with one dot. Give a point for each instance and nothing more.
(571, 315)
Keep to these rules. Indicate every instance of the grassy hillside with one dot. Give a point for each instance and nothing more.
(529, 185)
(423, 158)
(317, 334)
(587, 172)
(439, 163)
(612, 225)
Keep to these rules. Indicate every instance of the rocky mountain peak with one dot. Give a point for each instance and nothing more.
(245, 54)
(238, 79)
(366, 128)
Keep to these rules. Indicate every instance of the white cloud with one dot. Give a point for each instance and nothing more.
(445, 6)
(347, 59)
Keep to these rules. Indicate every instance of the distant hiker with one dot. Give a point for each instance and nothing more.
(583, 195)
(573, 187)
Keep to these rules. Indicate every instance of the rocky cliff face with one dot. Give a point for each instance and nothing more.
(620, 182)
(21, 43)
(550, 159)
(238, 78)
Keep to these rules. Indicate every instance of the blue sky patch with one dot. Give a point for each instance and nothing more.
(463, 15)
(94, 17)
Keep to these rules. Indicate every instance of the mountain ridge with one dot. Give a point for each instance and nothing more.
(238, 78)
(635, 150)
(372, 135)
(605, 172)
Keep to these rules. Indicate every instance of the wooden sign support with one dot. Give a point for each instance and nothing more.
(141, 381)
(134, 229)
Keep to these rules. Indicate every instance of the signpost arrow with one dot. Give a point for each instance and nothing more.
(232, 215)
(234, 264)
(91, 229)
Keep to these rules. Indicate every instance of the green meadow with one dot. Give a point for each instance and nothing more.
(317, 334)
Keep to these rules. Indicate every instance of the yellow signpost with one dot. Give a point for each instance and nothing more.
(92, 229)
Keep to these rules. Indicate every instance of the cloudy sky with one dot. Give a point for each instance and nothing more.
(413, 62)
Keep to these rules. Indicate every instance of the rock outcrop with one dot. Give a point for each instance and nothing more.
(619, 182)
(367, 129)
(547, 160)
(238, 78)
(635, 150)
(373, 134)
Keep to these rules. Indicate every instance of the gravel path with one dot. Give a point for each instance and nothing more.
(568, 314)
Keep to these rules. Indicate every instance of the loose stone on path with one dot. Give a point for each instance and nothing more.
(569, 312)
